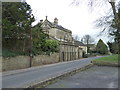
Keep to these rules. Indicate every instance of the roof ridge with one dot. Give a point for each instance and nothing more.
(57, 26)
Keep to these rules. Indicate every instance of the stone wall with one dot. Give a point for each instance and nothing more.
(21, 62)
(84, 49)
(60, 34)
(45, 59)
(69, 52)
(18, 62)
(0, 63)
(52, 32)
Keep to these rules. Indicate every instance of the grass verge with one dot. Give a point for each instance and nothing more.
(113, 60)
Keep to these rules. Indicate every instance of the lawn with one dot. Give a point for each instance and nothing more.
(112, 60)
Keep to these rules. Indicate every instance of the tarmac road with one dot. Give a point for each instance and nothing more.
(94, 77)
(27, 77)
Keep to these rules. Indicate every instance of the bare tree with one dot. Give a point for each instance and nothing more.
(87, 39)
(76, 37)
(114, 4)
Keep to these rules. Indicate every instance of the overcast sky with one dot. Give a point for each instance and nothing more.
(78, 19)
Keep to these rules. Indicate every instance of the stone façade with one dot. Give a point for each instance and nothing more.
(69, 49)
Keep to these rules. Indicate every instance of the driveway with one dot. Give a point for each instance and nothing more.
(94, 77)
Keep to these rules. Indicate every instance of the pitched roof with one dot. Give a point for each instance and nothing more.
(90, 45)
(79, 43)
(52, 25)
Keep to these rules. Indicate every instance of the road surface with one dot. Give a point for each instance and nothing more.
(94, 77)
(26, 77)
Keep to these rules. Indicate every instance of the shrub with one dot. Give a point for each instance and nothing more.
(10, 53)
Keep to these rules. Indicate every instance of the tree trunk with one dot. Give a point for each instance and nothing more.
(24, 41)
(117, 22)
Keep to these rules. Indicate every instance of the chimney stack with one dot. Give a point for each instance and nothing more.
(56, 21)
(41, 21)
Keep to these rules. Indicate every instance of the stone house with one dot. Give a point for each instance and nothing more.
(92, 47)
(83, 46)
(69, 48)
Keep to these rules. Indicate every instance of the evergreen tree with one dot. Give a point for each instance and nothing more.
(16, 24)
(113, 47)
(116, 15)
(101, 47)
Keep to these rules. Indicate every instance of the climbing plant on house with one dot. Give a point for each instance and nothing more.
(38, 39)
(51, 45)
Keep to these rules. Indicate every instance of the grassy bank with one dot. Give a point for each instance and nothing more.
(113, 60)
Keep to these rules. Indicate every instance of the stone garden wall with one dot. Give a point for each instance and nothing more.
(21, 62)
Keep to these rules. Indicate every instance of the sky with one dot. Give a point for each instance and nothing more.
(78, 19)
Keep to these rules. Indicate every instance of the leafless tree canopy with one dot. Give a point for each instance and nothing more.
(115, 6)
(76, 37)
(87, 39)
(94, 3)
(104, 22)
